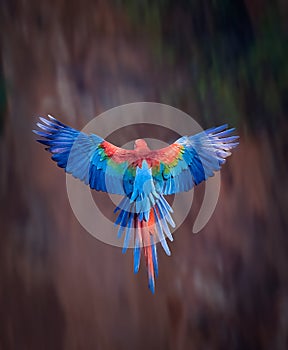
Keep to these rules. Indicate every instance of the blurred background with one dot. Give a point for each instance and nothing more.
(219, 61)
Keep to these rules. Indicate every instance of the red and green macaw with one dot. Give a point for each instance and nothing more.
(142, 176)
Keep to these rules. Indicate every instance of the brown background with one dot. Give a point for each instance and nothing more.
(226, 288)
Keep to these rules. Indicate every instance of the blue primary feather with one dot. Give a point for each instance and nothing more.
(202, 155)
(80, 155)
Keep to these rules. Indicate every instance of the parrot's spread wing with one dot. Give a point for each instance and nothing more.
(143, 180)
(191, 160)
(105, 167)
(87, 157)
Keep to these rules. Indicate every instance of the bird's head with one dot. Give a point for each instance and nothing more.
(140, 144)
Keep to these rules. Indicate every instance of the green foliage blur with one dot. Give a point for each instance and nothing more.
(234, 51)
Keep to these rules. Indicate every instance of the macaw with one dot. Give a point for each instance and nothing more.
(142, 176)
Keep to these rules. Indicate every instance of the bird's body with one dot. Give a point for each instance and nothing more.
(142, 176)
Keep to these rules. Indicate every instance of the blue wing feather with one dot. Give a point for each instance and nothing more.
(203, 154)
(80, 155)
